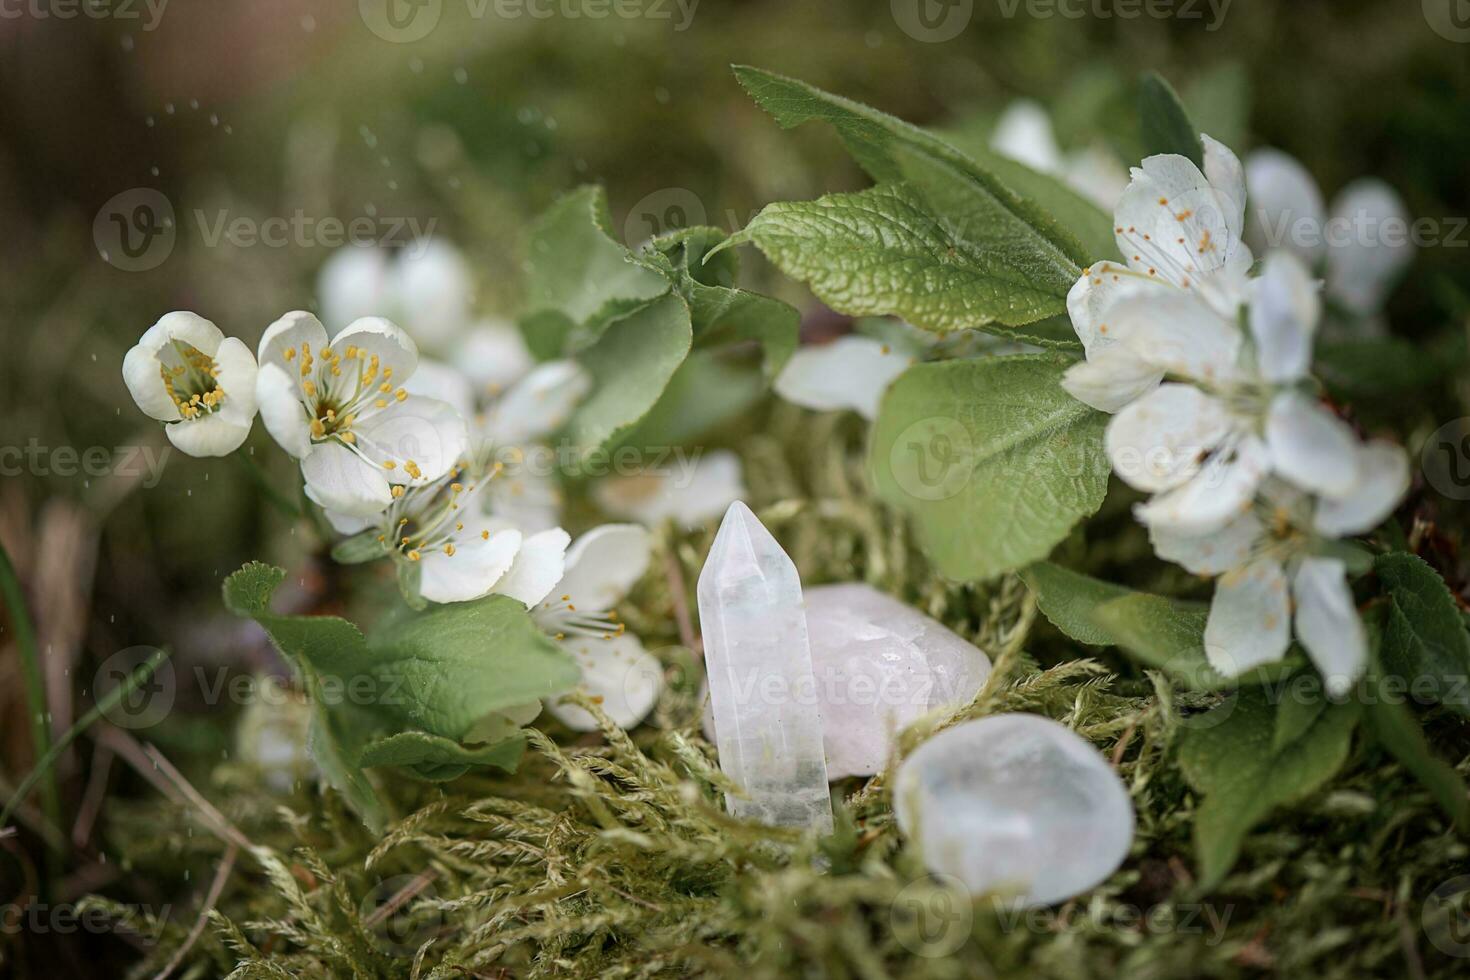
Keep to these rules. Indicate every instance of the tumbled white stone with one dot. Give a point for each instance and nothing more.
(879, 665)
(1016, 806)
(761, 683)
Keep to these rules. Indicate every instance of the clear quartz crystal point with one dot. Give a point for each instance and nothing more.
(762, 688)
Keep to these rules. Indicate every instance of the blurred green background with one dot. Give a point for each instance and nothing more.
(309, 108)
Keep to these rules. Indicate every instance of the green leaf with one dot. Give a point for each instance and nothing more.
(442, 671)
(1377, 366)
(882, 252)
(1092, 226)
(707, 391)
(720, 314)
(872, 138)
(1230, 756)
(438, 759)
(579, 277)
(1396, 728)
(630, 365)
(993, 460)
(1424, 634)
(1165, 124)
(1156, 630)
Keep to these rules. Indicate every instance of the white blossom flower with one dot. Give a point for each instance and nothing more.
(426, 286)
(571, 594)
(187, 374)
(1277, 566)
(341, 408)
(851, 372)
(507, 426)
(1204, 444)
(690, 494)
(1024, 133)
(1360, 246)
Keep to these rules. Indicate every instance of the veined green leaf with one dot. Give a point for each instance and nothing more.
(1231, 757)
(439, 759)
(994, 461)
(1164, 122)
(1424, 635)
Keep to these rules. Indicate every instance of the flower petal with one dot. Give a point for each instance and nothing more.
(494, 355)
(539, 565)
(339, 479)
(538, 404)
(434, 291)
(604, 563)
(1181, 333)
(702, 489)
(477, 564)
(1310, 446)
(1212, 553)
(626, 677)
(143, 374)
(1111, 378)
(236, 378)
(1024, 133)
(1283, 317)
(1250, 619)
(1173, 224)
(1368, 245)
(1383, 478)
(416, 433)
(435, 379)
(1227, 177)
(1158, 442)
(525, 498)
(215, 434)
(1286, 207)
(279, 399)
(1219, 493)
(290, 331)
(185, 327)
(397, 354)
(1092, 298)
(352, 283)
(851, 372)
(1327, 622)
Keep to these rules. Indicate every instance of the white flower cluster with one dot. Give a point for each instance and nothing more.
(420, 461)
(1207, 373)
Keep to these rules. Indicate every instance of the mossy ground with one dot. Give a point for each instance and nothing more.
(609, 855)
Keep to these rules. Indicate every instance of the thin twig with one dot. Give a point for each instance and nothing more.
(91, 805)
(400, 898)
(216, 888)
(152, 766)
(679, 593)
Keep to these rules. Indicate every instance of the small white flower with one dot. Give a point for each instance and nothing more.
(1024, 133)
(426, 286)
(571, 593)
(342, 409)
(506, 427)
(690, 494)
(1276, 566)
(851, 372)
(1361, 246)
(1203, 444)
(1179, 230)
(187, 374)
